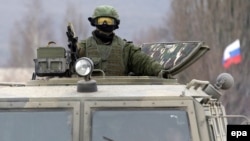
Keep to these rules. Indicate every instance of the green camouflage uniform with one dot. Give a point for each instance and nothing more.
(119, 58)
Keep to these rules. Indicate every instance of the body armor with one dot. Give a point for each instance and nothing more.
(108, 58)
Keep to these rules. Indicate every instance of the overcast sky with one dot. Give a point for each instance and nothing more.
(135, 15)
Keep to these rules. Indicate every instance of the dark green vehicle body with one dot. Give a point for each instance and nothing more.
(134, 108)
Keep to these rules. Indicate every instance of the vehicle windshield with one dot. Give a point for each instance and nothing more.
(36, 125)
(140, 125)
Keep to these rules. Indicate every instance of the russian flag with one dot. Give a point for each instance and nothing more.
(232, 54)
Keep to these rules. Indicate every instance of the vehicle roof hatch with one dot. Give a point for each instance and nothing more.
(177, 56)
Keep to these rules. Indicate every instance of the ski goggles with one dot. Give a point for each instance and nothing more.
(105, 20)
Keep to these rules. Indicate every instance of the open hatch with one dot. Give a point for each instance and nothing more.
(177, 56)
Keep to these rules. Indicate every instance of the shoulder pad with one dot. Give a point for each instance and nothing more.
(83, 41)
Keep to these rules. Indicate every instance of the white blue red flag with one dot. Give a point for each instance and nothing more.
(232, 54)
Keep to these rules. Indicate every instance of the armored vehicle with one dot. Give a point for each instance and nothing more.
(65, 102)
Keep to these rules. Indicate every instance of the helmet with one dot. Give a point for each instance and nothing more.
(104, 11)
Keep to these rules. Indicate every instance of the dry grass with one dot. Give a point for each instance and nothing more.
(15, 74)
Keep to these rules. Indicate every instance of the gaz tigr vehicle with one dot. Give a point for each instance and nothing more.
(64, 102)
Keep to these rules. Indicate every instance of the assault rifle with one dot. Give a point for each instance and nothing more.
(72, 42)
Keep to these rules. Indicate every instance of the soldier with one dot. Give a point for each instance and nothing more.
(109, 52)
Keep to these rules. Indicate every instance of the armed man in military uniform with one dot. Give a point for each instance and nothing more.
(115, 56)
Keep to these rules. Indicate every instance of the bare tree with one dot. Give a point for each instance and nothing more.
(33, 30)
(75, 16)
(218, 23)
(153, 34)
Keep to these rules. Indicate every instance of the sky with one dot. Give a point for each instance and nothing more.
(135, 15)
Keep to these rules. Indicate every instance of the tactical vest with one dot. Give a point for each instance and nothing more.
(108, 58)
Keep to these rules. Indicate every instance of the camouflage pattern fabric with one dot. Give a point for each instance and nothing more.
(174, 57)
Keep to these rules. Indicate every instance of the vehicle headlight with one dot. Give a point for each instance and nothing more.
(84, 66)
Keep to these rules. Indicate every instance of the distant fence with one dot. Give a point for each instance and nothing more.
(15, 74)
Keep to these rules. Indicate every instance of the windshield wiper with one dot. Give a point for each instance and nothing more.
(106, 138)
